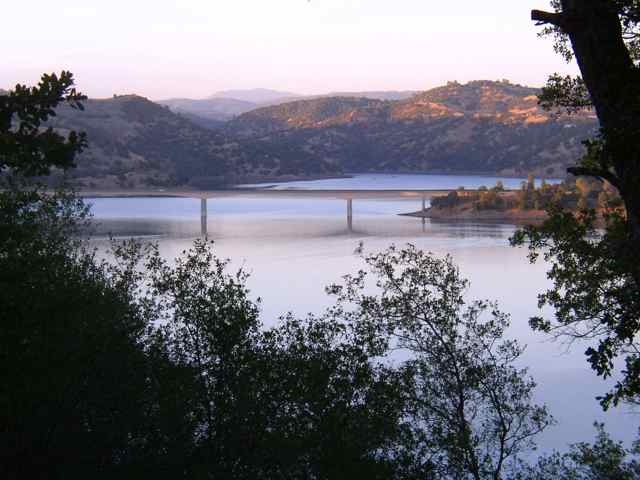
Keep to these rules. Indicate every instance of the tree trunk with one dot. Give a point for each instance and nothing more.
(613, 81)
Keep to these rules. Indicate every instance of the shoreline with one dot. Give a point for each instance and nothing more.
(269, 182)
(473, 215)
(464, 173)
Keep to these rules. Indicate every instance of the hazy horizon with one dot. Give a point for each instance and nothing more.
(194, 48)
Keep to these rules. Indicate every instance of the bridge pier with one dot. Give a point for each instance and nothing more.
(203, 217)
(424, 203)
(350, 214)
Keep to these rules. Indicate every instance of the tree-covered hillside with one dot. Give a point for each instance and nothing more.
(137, 143)
(481, 126)
(309, 114)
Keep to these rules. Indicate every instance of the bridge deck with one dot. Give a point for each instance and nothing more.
(342, 194)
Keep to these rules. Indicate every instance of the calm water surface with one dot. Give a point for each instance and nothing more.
(294, 247)
(385, 181)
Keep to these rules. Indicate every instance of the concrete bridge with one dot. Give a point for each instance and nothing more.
(347, 195)
(204, 216)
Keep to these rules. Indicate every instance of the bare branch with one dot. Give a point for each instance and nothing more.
(593, 172)
(543, 18)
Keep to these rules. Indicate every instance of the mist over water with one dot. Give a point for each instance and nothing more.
(293, 247)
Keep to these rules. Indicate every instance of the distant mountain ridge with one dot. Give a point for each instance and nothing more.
(481, 126)
(497, 101)
(255, 95)
(218, 109)
(224, 106)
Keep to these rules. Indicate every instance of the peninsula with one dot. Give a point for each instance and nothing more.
(528, 204)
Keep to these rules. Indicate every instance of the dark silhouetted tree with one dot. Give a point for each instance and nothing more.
(596, 273)
(472, 404)
(26, 146)
(604, 459)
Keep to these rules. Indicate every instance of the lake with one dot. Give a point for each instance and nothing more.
(293, 247)
(386, 181)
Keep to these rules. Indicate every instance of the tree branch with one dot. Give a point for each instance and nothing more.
(543, 18)
(593, 172)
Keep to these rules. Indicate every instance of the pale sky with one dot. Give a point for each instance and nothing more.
(193, 48)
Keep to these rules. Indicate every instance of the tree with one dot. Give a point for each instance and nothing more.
(75, 391)
(69, 325)
(604, 459)
(336, 411)
(604, 38)
(583, 202)
(472, 404)
(303, 399)
(596, 273)
(603, 199)
(451, 200)
(114, 370)
(522, 197)
(531, 182)
(25, 146)
(543, 184)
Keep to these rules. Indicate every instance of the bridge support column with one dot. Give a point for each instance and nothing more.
(424, 203)
(203, 217)
(350, 214)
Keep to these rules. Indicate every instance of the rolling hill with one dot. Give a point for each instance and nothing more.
(376, 95)
(480, 127)
(258, 96)
(134, 143)
(222, 107)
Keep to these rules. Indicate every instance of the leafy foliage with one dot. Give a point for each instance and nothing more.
(70, 329)
(596, 273)
(568, 93)
(472, 406)
(594, 295)
(27, 148)
(605, 459)
(113, 370)
(629, 14)
(167, 368)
